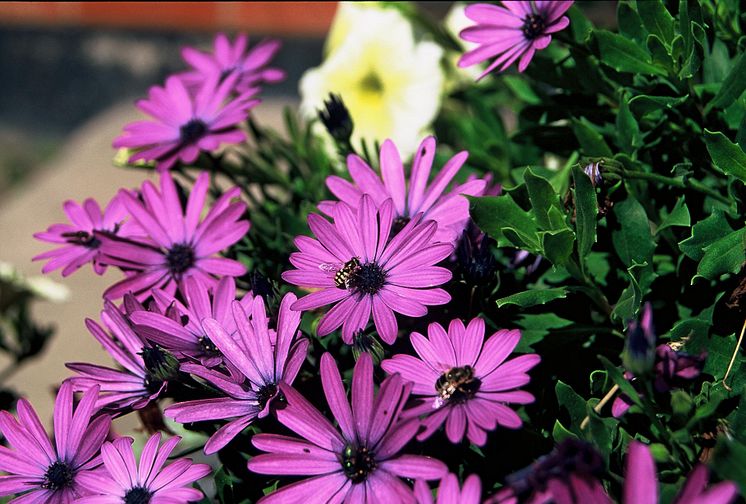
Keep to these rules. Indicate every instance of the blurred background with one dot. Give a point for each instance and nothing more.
(70, 74)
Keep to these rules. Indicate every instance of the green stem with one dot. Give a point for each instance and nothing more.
(670, 181)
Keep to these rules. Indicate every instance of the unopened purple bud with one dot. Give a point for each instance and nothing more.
(639, 350)
(593, 171)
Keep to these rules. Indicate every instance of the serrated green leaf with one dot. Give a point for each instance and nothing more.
(627, 129)
(586, 212)
(726, 155)
(573, 403)
(557, 246)
(679, 216)
(533, 297)
(657, 19)
(535, 326)
(542, 197)
(726, 255)
(579, 24)
(704, 233)
(643, 105)
(591, 141)
(733, 85)
(497, 214)
(616, 376)
(630, 24)
(628, 304)
(633, 242)
(624, 55)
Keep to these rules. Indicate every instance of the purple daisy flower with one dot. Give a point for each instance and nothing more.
(517, 29)
(449, 491)
(264, 359)
(134, 386)
(464, 380)
(186, 125)
(641, 482)
(361, 463)
(122, 481)
(79, 245)
(179, 245)
(38, 470)
(354, 264)
(184, 336)
(449, 209)
(249, 65)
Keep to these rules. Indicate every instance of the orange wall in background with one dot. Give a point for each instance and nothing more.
(286, 18)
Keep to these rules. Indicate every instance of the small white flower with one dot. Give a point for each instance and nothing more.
(390, 83)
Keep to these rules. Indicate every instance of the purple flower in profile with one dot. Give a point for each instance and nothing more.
(133, 386)
(79, 245)
(641, 482)
(40, 471)
(360, 461)
(122, 481)
(568, 475)
(184, 335)
(179, 245)
(185, 125)
(449, 491)
(250, 65)
(355, 265)
(517, 29)
(464, 380)
(450, 209)
(264, 359)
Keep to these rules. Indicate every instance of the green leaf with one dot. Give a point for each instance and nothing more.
(535, 326)
(624, 55)
(497, 214)
(591, 141)
(579, 24)
(573, 403)
(533, 297)
(630, 24)
(726, 155)
(733, 86)
(726, 255)
(657, 19)
(557, 246)
(616, 376)
(627, 129)
(629, 301)
(543, 198)
(633, 242)
(522, 89)
(679, 216)
(704, 233)
(643, 105)
(729, 461)
(586, 212)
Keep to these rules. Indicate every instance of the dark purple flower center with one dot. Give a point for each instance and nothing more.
(208, 347)
(137, 495)
(458, 384)
(266, 393)
(180, 258)
(358, 463)
(192, 131)
(82, 238)
(58, 476)
(533, 26)
(398, 225)
(368, 278)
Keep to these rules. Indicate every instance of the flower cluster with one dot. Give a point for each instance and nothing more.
(407, 341)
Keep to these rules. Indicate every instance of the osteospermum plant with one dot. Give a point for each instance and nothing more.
(544, 304)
